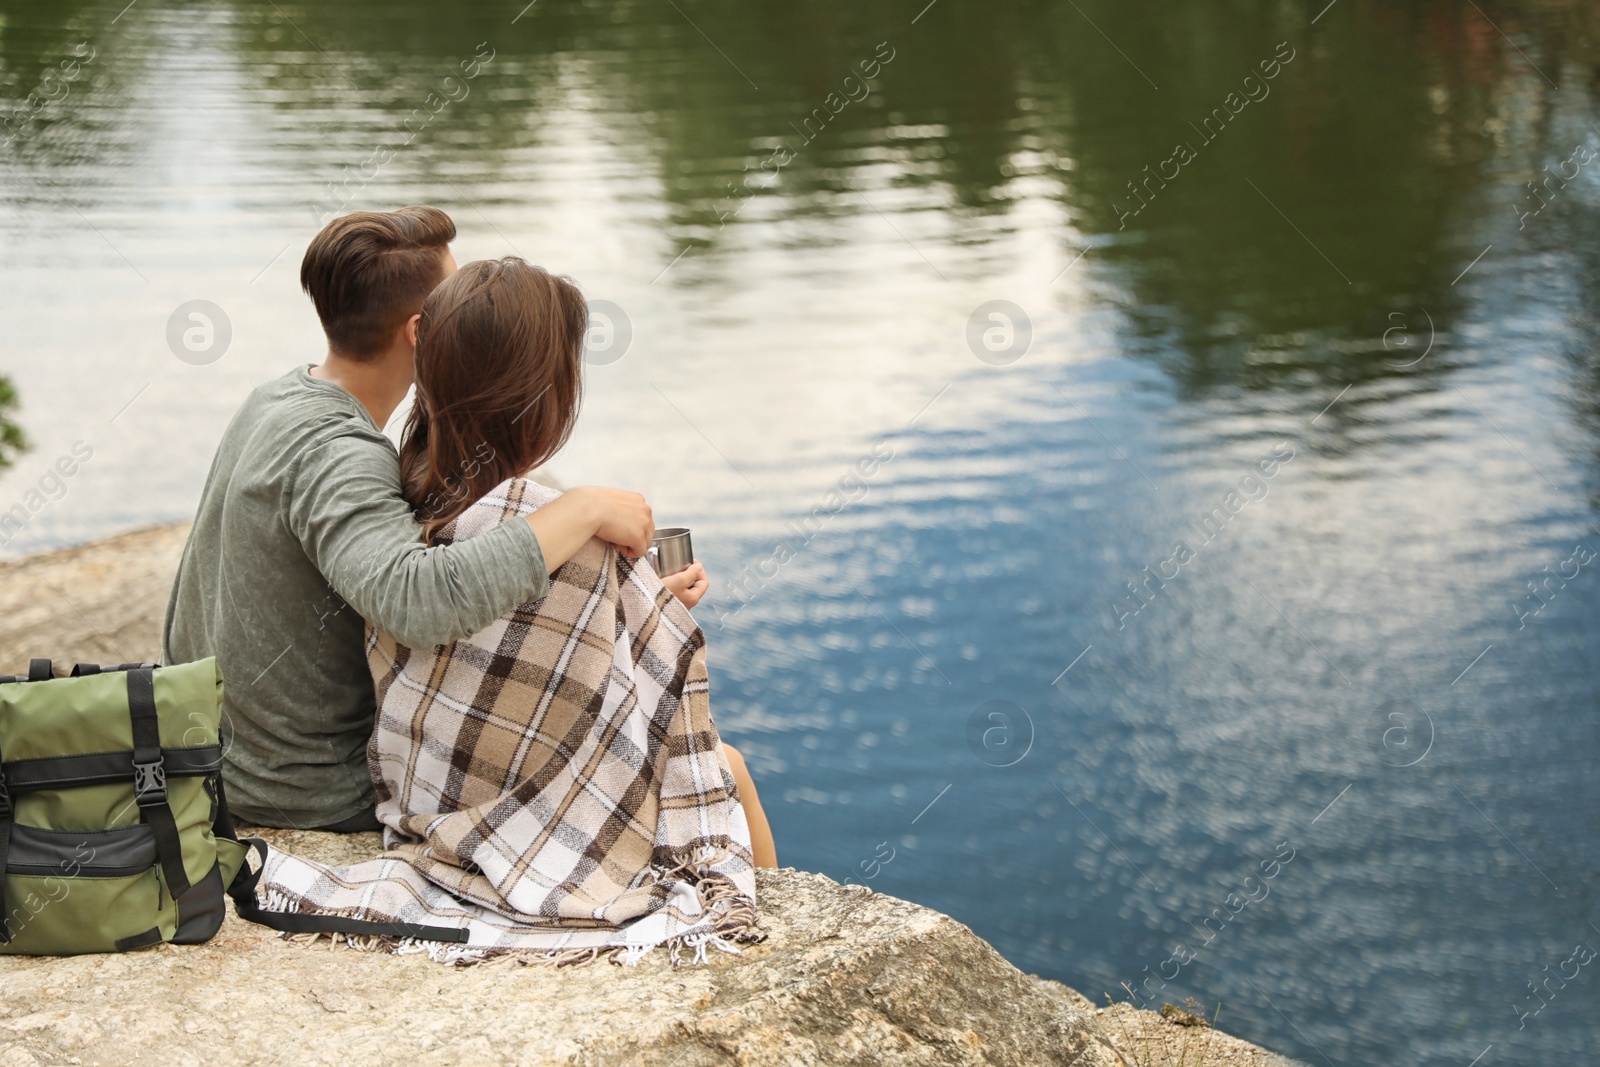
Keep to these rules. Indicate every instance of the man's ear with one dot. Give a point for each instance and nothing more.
(411, 331)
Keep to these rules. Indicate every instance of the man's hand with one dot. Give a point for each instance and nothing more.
(565, 524)
(688, 585)
(624, 519)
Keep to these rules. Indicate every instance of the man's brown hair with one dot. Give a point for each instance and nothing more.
(499, 381)
(369, 271)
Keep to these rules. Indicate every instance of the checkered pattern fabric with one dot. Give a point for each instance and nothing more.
(553, 783)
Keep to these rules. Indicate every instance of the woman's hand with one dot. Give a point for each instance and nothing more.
(688, 585)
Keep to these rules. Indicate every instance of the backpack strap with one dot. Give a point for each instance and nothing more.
(39, 670)
(5, 850)
(222, 823)
(150, 779)
(81, 669)
(243, 891)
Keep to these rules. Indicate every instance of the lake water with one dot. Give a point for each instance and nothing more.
(1304, 357)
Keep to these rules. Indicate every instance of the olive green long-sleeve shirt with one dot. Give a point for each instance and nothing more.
(302, 536)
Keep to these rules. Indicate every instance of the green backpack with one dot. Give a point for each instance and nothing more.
(114, 827)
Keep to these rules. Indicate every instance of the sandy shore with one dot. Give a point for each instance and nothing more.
(103, 602)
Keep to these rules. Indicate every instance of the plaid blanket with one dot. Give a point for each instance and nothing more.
(554, 783)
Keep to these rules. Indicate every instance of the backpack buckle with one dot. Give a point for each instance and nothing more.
(5, 800)
(150, 784)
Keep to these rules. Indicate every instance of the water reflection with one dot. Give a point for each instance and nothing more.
(1582, 348)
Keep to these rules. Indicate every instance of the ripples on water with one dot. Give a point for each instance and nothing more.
(1278, 294)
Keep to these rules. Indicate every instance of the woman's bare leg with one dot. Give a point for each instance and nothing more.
(761, 843)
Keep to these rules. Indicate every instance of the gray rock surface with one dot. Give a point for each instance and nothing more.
(845, 976)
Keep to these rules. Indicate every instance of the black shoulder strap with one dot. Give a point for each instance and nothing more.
(39, 670)
(5, 849)
(81, 669)
(222, 824)
(243, 891)
(150, 779)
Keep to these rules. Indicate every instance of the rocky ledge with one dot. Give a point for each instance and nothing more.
(845, 976)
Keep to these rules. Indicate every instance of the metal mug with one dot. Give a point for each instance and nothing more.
(671, 551)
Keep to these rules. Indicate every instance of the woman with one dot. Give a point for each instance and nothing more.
(558, 773)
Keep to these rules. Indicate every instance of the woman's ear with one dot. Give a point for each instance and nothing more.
(411, 331)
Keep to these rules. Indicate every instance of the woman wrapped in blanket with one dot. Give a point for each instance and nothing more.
(561, 763)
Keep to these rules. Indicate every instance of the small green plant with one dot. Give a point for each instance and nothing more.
(12, 440)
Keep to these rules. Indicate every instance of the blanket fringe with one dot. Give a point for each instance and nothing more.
(622, 955)
(732, 917)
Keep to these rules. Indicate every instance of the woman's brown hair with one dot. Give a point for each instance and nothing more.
(499, 380)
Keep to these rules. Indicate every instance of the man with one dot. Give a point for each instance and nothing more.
(302, 536)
